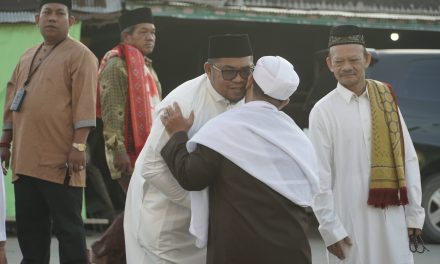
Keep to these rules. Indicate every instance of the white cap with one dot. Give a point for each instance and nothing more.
(276, 77)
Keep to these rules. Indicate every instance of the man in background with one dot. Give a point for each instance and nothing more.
(128, 92)
(369, 173)
(48, 112)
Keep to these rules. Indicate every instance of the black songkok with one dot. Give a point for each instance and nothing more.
(345, 34)
(67, 3)
(229, 46)
(134, 17)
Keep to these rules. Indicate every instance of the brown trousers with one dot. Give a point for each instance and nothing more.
(110, 248)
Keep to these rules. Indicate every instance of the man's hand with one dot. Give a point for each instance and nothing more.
(124, 181)
(76, 161)
(122, 163)
(173, 120)
(5, 154)
(414, 231)
(339, 247)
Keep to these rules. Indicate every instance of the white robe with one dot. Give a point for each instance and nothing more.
(267, 144)
(157, 209)
(340, 129)
(2, 208)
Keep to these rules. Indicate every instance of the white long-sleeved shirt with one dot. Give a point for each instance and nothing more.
(340, 130)
(157, 209)
(2, 207)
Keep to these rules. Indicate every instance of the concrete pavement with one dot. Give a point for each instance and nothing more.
(318, 250)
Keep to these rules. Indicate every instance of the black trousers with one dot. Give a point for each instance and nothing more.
(41, 206)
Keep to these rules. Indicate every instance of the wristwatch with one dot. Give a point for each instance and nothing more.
(79, 146)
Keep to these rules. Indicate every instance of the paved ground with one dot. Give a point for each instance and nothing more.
(318, 250)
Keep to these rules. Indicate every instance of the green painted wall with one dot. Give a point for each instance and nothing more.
(14, 40)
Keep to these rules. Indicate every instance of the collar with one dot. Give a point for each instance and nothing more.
(348, 95)
(217, 97)
(264, 104)
(148, 61)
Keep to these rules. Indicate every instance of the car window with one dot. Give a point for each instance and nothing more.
(422, 80)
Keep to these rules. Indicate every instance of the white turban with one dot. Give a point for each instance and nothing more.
(276, 77)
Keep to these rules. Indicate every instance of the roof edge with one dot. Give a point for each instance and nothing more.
(295, 16)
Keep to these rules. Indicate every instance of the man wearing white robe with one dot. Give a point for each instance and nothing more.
(260, 169)
(341, 131)
(157, 209)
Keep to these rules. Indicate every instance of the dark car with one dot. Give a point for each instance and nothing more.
(415, 78)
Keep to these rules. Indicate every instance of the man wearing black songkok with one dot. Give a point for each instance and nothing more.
(157, 209)
(129, 90)
(48, 130)
(369, 176)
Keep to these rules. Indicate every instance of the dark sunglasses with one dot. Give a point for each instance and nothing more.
(230, 75)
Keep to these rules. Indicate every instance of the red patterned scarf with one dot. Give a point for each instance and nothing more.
(139, 107)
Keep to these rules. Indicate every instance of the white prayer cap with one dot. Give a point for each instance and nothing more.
(276, 77)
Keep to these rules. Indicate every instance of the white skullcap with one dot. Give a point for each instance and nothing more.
(276, 77)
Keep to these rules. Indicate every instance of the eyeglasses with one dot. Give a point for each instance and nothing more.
(416, 244)
(230, 74)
